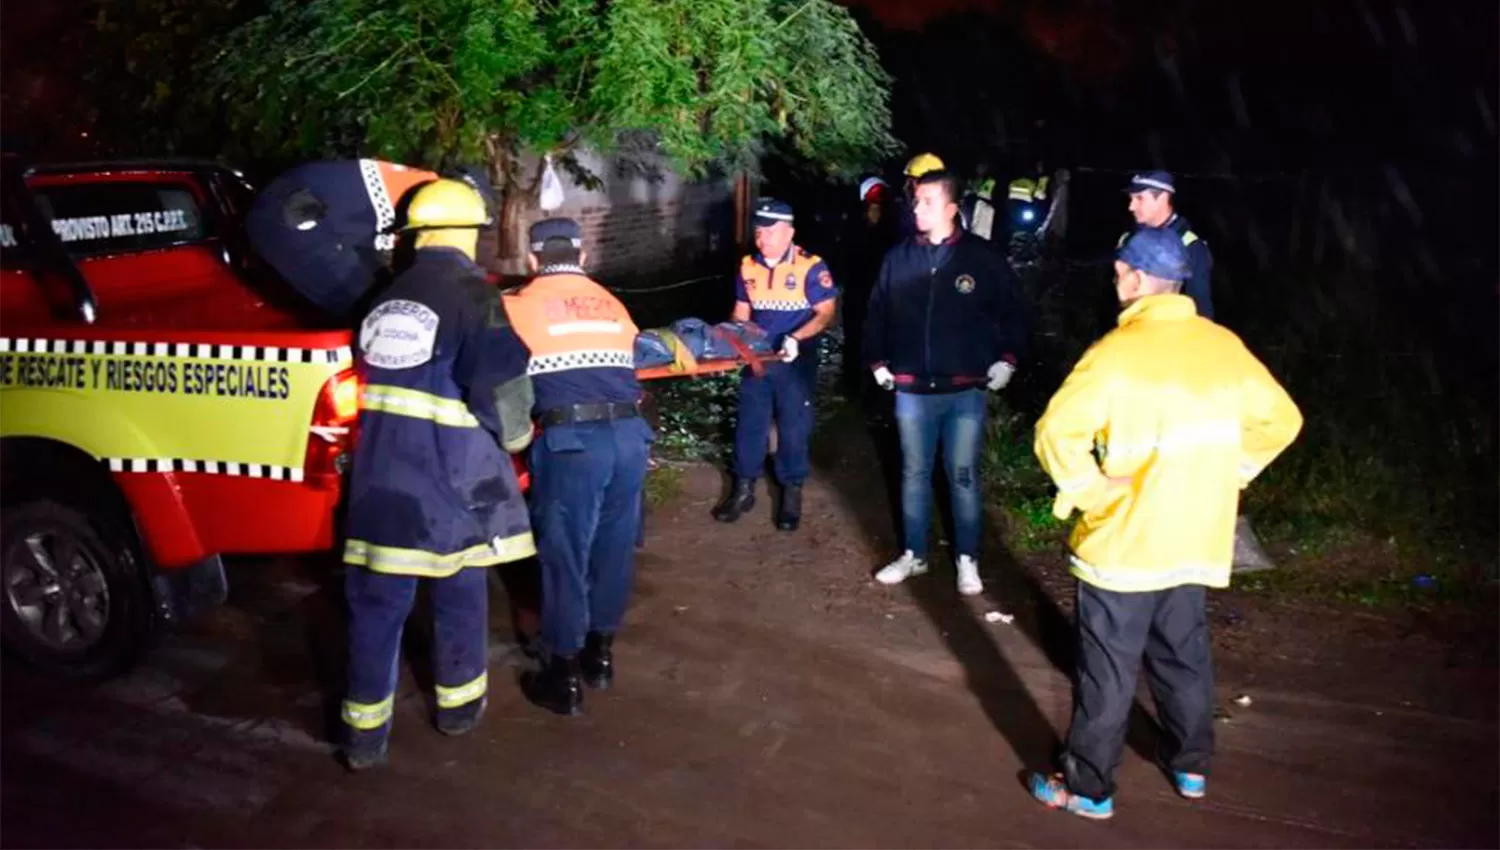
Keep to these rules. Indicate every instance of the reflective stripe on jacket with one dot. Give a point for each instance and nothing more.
(581, 340)
(433, 489)
(1179, 406)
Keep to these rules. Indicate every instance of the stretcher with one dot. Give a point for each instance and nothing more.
(688, 366)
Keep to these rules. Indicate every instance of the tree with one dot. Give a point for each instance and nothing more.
(701, 83)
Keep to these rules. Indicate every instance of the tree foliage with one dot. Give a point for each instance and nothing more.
(701, 83)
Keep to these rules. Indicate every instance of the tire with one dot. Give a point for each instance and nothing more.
(75, 600)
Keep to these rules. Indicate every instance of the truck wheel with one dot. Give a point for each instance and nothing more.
(76, 601)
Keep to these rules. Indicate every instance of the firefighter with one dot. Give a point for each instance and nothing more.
(1026, 201)
(979, 205)
(906, 220)
(588, 465)
(790, 294)
(1151, 203)
(433, 492)
(1184, 417)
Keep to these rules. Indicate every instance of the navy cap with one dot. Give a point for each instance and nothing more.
(770, 212)
(1149, 181)
(556, 228)
(1157, 251)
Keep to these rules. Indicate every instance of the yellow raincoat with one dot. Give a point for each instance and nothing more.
(1176, 405)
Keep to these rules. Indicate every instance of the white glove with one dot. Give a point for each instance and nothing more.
(885, 379)
(789, 348)
(1000, 373)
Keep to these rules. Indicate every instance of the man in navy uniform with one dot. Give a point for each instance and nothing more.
(588, 465)
(1151, 195)
(790, 294)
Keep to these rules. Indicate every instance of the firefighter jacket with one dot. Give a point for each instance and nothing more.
(1183, 417)
(941, 315)
(782, 295)
(580, 339)
(445, 397)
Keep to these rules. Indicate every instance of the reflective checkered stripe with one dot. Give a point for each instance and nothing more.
(774, 306)
(598, 359)
(380, 199)
(207, 467)
(462, 694)
(199, 351)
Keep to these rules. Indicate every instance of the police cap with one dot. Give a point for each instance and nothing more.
(559, 229)
(1151, 181)
(770, 212)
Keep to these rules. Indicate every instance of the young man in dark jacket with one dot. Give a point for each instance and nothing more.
(944, 326)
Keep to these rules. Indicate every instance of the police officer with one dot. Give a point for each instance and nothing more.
(1151, 195)
(790, 294)
(588, 465)
(433, 492)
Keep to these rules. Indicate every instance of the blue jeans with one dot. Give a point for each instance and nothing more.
(957, 420)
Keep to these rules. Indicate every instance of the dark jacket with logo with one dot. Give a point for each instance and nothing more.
(446, 397)
(941, 315)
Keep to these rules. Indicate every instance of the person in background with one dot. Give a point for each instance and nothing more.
(1184, 417)
(791, 295)
(588, 465)
(944, 325)
(871, 238)
(445, 379)
(918, 166)
(1151, 203)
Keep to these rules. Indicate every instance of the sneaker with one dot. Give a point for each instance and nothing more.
(1193, 786)
(1051, 792)
(968, 576)
(901, 569)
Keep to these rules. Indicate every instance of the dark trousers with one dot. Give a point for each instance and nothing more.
(379, 604)
(588, 482)
(1170, 629)
(785, 394)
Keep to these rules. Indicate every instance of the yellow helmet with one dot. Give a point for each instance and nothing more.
(446, 203)
(922, 163)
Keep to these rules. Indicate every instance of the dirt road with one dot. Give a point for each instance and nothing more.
(770, 695)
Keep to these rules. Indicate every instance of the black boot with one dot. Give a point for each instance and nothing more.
(738, 503)
(598, 660)
(557, 687)
(790, 515)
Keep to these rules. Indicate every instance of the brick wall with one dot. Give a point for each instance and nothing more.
(638, 227)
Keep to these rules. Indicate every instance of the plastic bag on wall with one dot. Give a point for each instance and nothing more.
(552, 188)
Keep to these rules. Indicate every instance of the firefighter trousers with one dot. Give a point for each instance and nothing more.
(1169, 628)
(379, 604)
(588, 482)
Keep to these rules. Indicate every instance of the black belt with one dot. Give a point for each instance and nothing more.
(574, 414)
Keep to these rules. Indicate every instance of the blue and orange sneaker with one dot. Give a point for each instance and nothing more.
(1051, 792)
(1193, 786)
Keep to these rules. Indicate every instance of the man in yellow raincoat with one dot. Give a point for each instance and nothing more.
(1182, 417)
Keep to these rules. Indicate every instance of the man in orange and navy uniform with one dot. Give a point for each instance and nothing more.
(588, 465)
(790, 294)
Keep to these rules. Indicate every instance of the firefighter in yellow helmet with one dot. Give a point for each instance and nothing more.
(433, 490)
(906, 220)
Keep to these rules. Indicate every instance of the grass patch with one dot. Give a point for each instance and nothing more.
(662, 485)
(695, 417)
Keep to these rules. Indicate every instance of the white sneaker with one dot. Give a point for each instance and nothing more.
(901, 569)
(968, 576)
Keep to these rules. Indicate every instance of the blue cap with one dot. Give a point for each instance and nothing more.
(556, 228)
(1152, 181)
(770, 212)
(1157, 251)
